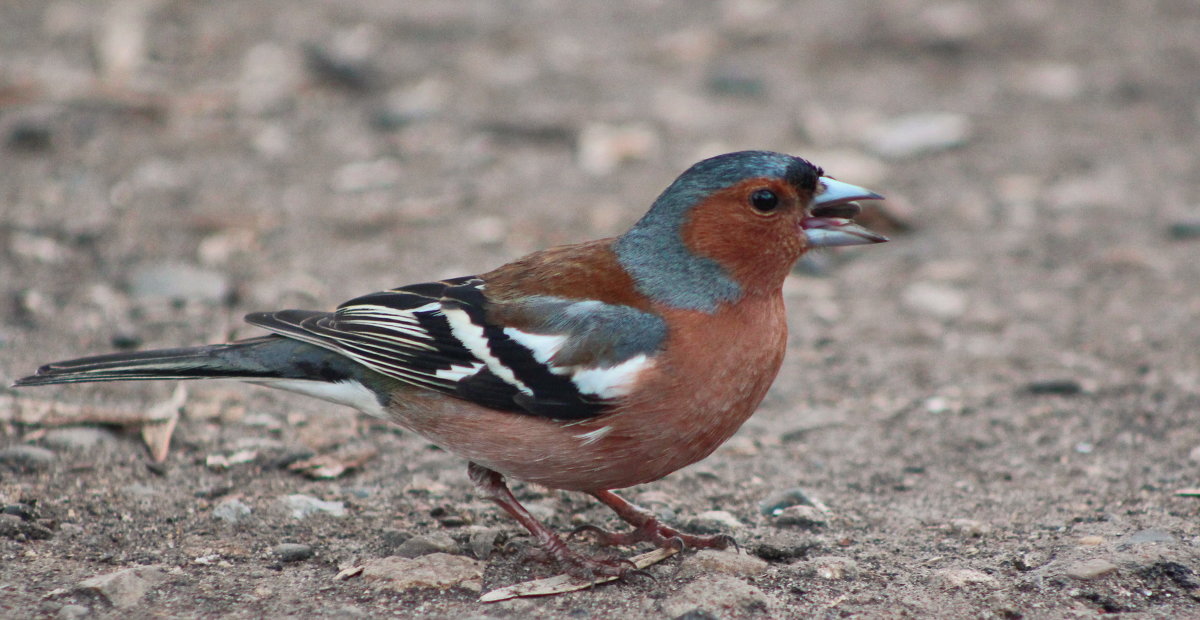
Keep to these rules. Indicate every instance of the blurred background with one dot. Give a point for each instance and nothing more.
(1023, 355)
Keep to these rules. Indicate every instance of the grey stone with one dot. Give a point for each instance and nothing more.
(711, 561)
(125, 588)
(292, 552)
(784, 545)
(834, 568)
(774, 503)
(1087, 570)
(303, 506)
(1184, 230)
(436, 570)
(231, 510)
(714, 522)
(16, 528)
(805, 517)
(969, 528)
(26, 458)
(426, 544)
(1143, 537)
(77, 437)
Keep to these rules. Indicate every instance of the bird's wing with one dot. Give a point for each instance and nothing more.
(545, 356)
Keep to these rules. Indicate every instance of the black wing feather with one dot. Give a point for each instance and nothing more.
(403, 333)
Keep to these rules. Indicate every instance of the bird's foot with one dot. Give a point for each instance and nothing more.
(581, 566)
(655, 533)
(550, 548)
(647, 528)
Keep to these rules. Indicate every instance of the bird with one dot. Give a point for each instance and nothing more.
(588, 367)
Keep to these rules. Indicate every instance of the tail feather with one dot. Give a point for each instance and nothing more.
(269, 357)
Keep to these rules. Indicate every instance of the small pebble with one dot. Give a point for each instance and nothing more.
(805, 517)
(714, 522)
(362, 176)
(1090, 569)
(834, 568)
(231, 510)
(437, 570)
(1060, 387)
(26, 458)
(292, 552)
(1144, 537)
(26, 512)
(303, 506)
(970, 528)
(1184, 230)
(426, 544)
(963, 577)
(1091, 541)
(269, 80)
(784, 546)
(15, 528)
(351, 74)
(918, 134)
(29, 137)
(125, 588)
(1059, 82)
(736, 84)
(77, 437)
(712, 561)
(936, 300)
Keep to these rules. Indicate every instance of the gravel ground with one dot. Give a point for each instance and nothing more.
(997, 411)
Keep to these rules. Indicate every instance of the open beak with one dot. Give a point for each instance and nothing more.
(832, 207)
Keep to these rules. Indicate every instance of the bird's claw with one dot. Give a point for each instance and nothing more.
(657, 534)
(586, 568)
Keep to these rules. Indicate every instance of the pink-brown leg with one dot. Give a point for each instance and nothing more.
(491, 484)
(647, 528)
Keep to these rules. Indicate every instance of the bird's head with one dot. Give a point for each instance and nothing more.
(736, 223)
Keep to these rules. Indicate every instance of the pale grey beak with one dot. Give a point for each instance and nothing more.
(833, 192)
(832, 207)
(827, 232)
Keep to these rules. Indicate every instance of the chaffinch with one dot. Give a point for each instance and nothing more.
(586, 367)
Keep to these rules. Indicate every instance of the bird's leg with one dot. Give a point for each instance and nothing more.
(491, 485)
(647, 528)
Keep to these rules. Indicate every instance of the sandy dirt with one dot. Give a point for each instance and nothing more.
(999, 408)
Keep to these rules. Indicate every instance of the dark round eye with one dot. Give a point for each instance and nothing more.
(764, 200)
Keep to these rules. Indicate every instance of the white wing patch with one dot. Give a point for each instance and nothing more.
(458, 373)
(603, 381)
(610, 382)
(473, 338)
(542, 346)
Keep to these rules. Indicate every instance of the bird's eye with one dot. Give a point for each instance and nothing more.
(764, 200)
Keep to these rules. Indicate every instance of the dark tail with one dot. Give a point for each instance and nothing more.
(269, 357)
